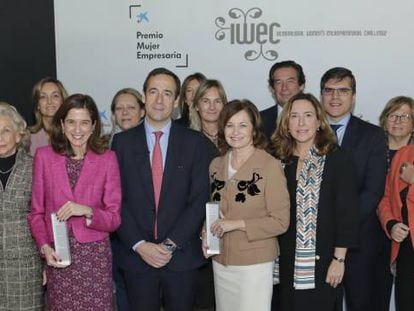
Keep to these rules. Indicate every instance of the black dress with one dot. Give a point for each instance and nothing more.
(337, 226)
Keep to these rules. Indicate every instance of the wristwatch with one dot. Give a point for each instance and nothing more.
(339, 259)
(169, 245)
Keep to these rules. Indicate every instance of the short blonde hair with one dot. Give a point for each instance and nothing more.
(130, 91)
(9, 111)
(394, 104)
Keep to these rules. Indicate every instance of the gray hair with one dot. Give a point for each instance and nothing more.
(9, 111)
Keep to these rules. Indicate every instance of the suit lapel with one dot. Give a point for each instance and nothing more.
(141, 154)
(173, 152)
(351, 134)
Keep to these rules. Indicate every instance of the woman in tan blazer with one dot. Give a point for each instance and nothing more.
(254, 203)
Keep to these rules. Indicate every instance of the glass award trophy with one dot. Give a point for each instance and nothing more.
(212, 214)
(61, 239)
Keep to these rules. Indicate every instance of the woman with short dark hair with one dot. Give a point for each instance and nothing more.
(254, 206)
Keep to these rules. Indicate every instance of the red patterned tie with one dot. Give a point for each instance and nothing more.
(157, 176)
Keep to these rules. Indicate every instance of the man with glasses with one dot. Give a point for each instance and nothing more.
(366, 146)
(286, 79)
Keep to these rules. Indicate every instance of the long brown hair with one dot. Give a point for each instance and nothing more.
(195, 119)
(283, 144)
(36, 96)
(58, 139)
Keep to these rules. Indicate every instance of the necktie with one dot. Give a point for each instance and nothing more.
(335, 128)
(157, 176)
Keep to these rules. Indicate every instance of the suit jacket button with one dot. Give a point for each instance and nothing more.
(317, 257)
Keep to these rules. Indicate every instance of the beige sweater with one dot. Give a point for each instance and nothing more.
(258, 194)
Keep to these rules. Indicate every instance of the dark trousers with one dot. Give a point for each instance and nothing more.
(204, 292)
(144, 289)
(361, 269)
(118, 275)
(384, 278)
(404, 281)
(120, 288)
(275, 298)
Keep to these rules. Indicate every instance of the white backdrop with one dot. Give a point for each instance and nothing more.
(105, 45)
(99, 42)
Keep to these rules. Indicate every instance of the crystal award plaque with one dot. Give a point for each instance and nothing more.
(61, 239)
(212, 214)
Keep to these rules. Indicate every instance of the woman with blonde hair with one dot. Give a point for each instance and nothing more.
(323, 205)
(397, 121)
(396, 213)
(209, 100)
(21, 268)
(185, 100)
(127, 109)
(48, 95)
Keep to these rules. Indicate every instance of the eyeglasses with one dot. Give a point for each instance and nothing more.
(343, 91)
(403, 118)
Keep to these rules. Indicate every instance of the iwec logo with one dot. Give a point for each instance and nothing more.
(244, 28)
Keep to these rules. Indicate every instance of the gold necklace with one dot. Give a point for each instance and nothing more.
(212, 136)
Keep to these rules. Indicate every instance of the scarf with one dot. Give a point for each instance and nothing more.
(307, 199)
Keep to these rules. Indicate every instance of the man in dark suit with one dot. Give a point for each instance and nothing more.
(165, 185)
(286, 79)
(365, 144)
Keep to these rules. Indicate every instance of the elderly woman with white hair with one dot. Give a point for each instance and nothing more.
(20, 266)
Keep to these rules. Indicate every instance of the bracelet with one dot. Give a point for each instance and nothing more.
(339, 259)
(90, 216)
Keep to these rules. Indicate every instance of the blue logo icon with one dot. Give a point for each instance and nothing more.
(142, 17)
(103, 116)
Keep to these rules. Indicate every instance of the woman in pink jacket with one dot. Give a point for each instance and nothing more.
(396, 212)
(77, 178)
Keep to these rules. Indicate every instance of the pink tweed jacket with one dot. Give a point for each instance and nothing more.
(98, 187)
